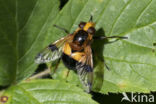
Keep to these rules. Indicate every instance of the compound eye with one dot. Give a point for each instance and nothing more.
(91, 30)
(82, 24)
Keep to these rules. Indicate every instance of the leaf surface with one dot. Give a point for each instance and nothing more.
(131, 61)
(23, 25)
(47, 92)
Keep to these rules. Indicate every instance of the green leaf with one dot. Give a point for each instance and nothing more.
(27, 26)
(23, 25)
(47, 92)
(132, 61)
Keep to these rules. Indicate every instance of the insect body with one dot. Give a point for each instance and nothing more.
(75, 51)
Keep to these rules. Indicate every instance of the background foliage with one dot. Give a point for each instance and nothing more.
(26, 27)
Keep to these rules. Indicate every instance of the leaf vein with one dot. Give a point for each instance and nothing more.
(103, 11)
(29, 18)
(137, 44)
(118, 17)
(35, 38)
(142, 12)
(29, 94)
(122, 60)
(79, 14)
(63, 90)
(138, 73)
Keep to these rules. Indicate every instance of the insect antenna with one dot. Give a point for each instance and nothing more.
(61, 28)
(104, 37)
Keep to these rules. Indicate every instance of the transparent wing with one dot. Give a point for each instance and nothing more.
(85, 69)
(49, 54)
(52, 52)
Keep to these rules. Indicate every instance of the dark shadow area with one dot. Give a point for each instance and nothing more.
(154, 44)
(98, 59)
(112, 98)
(99, 67)
(98, 45)
(153, 50)
(41, 68)
(3, 87)
(107, 99)
(62, 3)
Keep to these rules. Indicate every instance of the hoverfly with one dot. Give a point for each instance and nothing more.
(75, 51)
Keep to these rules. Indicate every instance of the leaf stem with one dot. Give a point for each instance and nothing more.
(40, 75)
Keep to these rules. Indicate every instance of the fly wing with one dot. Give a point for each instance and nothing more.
(85, 69)
(53, 51)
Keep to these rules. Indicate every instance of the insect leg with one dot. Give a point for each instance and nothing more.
(106, 66)
(56, 66)
(61, 28)
(104, 37)
(67, 74)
